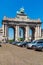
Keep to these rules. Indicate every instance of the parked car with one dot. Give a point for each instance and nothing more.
(39, 46)
(22, 44)
(31, 45)
(15, 42)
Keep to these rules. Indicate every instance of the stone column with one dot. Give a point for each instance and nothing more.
(6, 33)
(40, 31)
(6, 30)
(3, 27)
(27, 33)
(17, 33)
(37, 32)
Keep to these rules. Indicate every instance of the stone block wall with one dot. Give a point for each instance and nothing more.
(1, 34)
(42, 33)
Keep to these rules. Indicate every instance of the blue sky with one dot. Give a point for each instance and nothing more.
(33, 8)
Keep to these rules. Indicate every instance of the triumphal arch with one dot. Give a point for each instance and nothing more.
(23, 21)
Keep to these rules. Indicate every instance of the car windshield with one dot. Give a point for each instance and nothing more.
(33, 42)
(40, 42)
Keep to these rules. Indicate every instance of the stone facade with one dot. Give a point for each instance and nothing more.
(1, 34)
(22, 20)
(42, 33)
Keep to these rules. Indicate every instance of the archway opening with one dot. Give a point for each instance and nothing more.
(32, 33)
(22, 33)
(11, 34)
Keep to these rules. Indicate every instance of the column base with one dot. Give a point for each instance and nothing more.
(37, 38)
(16, 40)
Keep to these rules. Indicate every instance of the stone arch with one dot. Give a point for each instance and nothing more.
(13, 28)
(32, 33)
(22, 32)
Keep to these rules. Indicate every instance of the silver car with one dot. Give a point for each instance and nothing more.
(31, 45)
(39, 46)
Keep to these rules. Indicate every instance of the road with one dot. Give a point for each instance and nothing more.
(13, 55)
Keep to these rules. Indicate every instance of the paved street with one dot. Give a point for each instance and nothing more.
(13, 55)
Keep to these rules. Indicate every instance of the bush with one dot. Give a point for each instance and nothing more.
(10, 41)
(21, 39)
